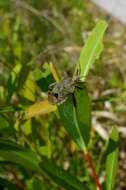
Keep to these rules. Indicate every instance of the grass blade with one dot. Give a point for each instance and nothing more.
(7, 184)
(112, 159)
(14, 153)
(61, 177)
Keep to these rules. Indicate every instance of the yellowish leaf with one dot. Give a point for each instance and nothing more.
(29, 88)
(39, 108)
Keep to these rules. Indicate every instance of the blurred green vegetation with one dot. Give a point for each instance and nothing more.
(32, 34)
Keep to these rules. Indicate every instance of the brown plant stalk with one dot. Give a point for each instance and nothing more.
(17, 180)
(89, 160)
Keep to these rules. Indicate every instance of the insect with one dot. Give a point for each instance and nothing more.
(59, 91)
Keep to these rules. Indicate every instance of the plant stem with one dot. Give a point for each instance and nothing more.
(17, 180)
(88, 158)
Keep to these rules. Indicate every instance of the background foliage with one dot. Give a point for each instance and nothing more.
(33, 33)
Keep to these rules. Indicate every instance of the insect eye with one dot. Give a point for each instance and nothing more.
(56, 95)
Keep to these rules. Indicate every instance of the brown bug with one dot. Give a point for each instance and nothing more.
(59, 91)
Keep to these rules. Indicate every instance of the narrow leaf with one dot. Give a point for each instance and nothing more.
(83, 111)
(5, 127)
(12, 80)
(54, 71)
(92, 48)
(61, 177)
(112, 159)
(39, 108)
(14, 153)
(7, 184)
(68, 115)
(28, 88)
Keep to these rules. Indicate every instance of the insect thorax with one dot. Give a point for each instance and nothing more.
(58, 92)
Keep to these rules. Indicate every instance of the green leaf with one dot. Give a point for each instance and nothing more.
(38, 184)
(92, 48)
(83, 111)
(26, 84)
(12, 80)
(76, 116)
(27, 127)
(112, 159)
(5, 127)
(5, 3)
(44, 82)
(61, 177)
(45, 78)
(7, 144)
(7, 184)
(29, 88)
(14, 153)
(3, 123)
(68, 115)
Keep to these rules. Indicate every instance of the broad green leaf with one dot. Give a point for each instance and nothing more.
(7, 184)
(83, 111)
(92, 48)
(61, 177)
(112, 159)
(68, 115)
(14, 153)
